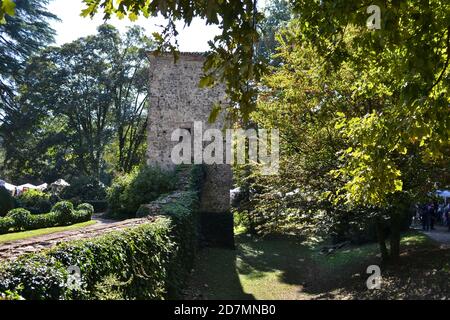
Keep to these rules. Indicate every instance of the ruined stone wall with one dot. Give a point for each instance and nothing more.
(176, 101)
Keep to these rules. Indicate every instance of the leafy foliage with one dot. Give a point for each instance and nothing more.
(401, 73)
(277, 14)
(6, 8)
(84, 188)
(25, 30)
(141, 186)
(35, 201)
(6, 224)
(86, 207)
(349, 121)
(20, 216)
(87, 100)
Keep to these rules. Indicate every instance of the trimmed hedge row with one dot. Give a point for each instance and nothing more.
(62, 213)
(36, 201)
(150, 261)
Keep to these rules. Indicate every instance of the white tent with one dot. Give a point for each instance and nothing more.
(27, 186)
(60, 182)
(58, 185)
(8, 186)
(42, 187)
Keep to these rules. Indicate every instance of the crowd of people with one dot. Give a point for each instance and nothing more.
(433, 213)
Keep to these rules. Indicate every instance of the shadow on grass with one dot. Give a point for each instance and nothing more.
(215, 276)
(284, 268)
(307, 272)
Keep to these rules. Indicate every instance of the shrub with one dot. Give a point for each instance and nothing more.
(117, 195)
(87, 207)
(35, 277)
(6, 201)
(6, 224)
(21, 218)
(84, 188)
(142, 186)
(35, 201)
(83, 213)
(40, 221)
(65, 211)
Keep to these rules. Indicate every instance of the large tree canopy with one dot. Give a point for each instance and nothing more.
(23, 32)
(79, 102)
(402, 72)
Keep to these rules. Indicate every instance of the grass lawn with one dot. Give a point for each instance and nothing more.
(284, 268)
(39, 232)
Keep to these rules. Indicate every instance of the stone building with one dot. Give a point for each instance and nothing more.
(176, 102)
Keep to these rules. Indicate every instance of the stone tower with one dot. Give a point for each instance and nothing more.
(176, 102)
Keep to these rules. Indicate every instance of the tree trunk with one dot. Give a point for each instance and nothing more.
(381, 235)
(395, 236)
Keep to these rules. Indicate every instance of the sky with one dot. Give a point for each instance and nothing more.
(191, 39)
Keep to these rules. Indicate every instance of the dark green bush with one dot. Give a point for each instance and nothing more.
(35, 201)
(65, 210)
(81, 216)
(46, 220)
(6, 224)
(87, 207)
(141, 186)
(34, 277)
(21, 218)
(84, 188)
(6, 201)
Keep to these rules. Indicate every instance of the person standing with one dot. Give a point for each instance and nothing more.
(447, 214)
(432, 215)
(424, 217)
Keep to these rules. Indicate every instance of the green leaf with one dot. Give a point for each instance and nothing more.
(206, 81)
(398, 185)
(132, 16)
(214, 113)
(8, 6)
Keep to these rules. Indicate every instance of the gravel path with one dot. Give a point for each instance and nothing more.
(13, 249)
(440, 234)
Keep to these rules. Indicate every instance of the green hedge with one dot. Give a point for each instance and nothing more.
(143, 185)
(62, 213)
(150, 261)
(36, 201)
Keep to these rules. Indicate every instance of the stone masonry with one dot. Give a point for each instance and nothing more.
(176, 102)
